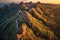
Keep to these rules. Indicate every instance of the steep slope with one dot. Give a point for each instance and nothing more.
(8, 22)
(56, 10)
(35, 22)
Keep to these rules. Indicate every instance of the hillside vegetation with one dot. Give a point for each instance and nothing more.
(27, 21)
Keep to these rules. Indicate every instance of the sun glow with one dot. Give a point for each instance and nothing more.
(43, 1)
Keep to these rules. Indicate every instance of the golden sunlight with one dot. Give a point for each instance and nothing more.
(45, 1)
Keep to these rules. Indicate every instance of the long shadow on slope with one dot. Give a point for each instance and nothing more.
(35, 30)
(44, 23)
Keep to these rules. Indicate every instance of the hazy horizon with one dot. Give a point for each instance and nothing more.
(42, 1)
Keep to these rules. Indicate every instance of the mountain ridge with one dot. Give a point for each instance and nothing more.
(34, 22)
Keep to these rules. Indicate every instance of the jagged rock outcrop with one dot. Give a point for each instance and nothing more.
(35, 22)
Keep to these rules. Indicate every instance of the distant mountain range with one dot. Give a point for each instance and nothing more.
(29, 21)
(2, 4)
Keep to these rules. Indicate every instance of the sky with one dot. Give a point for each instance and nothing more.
(43, 1)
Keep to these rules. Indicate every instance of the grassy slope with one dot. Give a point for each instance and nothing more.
(8, 18)
(56, 9)
(36, 26)
(7, 23)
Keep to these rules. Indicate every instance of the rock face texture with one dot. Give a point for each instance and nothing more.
(35, 22)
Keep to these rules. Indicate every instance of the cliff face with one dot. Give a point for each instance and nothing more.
(35, 22)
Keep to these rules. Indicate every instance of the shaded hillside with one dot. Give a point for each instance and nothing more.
(8, 17)
(35, 22)
(56, 9)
